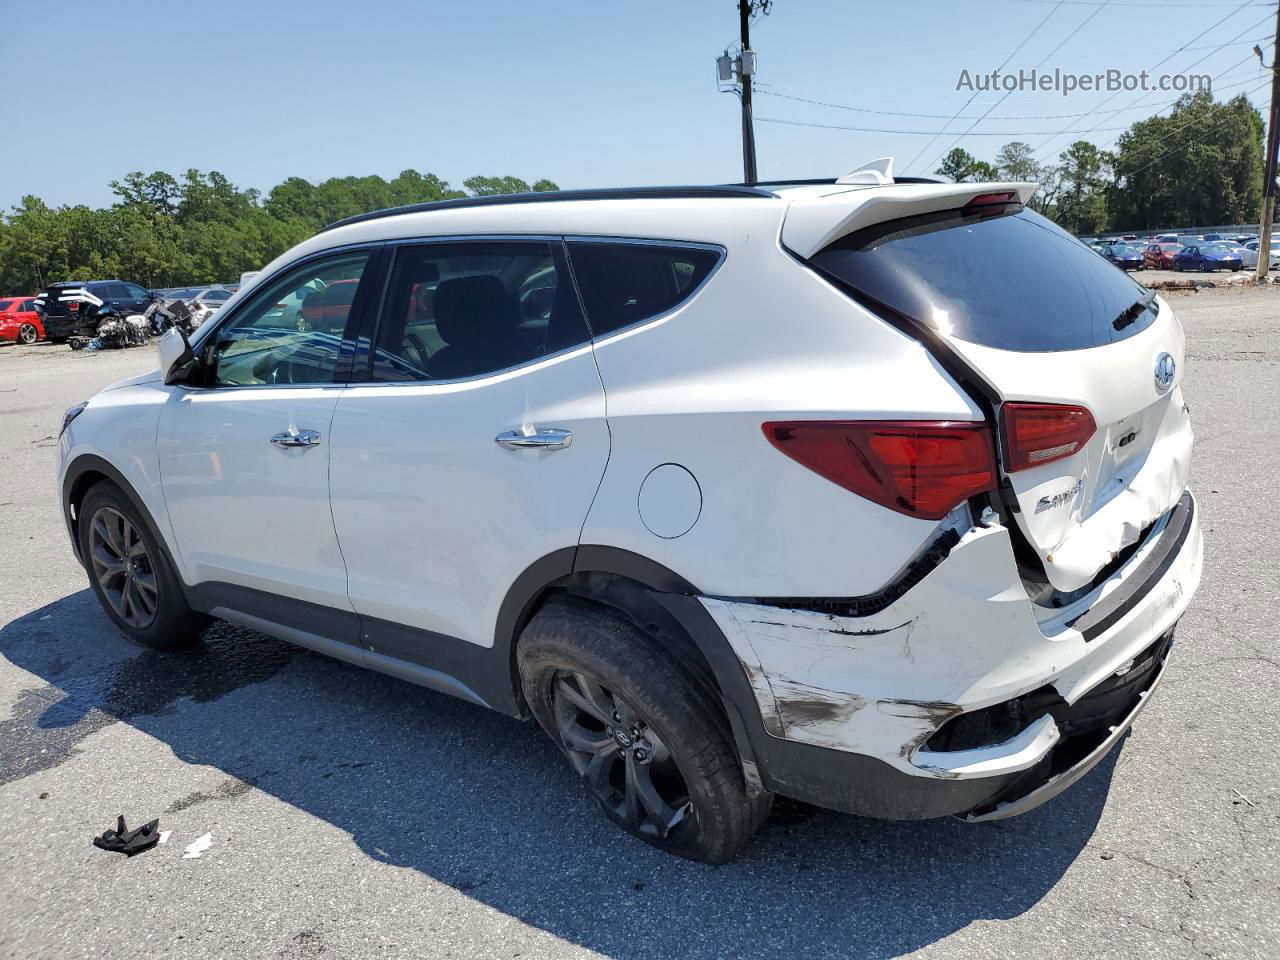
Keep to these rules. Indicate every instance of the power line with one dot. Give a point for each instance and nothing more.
(1034, 31)
(1009, 93)
(1189, 143)
(970, 116)
(934, 133)
(1139, 3)
(1227, 87)
(1185, 69)
(1161, 63)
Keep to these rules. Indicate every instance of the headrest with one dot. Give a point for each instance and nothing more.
(471, 310)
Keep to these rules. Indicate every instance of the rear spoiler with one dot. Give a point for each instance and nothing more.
(812, 223)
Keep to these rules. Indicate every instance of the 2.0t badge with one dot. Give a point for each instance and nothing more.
(1165, 369)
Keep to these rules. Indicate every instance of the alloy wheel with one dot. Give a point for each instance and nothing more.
(625, 764)
(123, 567)
(27, 333)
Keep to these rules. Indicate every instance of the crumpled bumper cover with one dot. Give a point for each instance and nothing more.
(964, 639)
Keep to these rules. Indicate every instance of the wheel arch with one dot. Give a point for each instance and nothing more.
(652, 596)
(81, 476)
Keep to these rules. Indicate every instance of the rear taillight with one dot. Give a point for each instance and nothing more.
(920, 468)
(1040, 433)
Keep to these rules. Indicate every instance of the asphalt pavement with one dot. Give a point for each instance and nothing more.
(353, 815)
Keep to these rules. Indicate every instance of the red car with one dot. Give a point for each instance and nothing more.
(1159, 256)
(19, 320)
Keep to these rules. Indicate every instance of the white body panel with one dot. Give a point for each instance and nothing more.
(119, 426)
(436, 519)
(692, 389)
(1132, 470)
(244, 510)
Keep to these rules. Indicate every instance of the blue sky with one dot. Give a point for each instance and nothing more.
(612, 92)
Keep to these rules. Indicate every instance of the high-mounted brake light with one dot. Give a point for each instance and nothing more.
(1040, 433)
(991, 200)
(920, 468)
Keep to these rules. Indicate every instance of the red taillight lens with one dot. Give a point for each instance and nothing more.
(1040, 433)
(920, 468)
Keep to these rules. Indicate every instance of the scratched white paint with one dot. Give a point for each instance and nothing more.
(964, 638)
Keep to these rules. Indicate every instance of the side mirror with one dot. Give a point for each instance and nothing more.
(177, 359)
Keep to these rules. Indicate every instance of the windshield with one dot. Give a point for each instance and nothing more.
(1012, 280)
(1120, 250)
(1219, 247)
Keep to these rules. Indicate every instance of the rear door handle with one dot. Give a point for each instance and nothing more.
(551, 438)
(296, 438)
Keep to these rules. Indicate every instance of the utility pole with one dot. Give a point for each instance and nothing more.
(734, 74)
(1269, 177)
(747, 69)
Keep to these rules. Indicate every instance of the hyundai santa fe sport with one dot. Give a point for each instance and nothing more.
(870, 493)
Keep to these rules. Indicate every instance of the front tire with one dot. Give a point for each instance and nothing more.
(651, 743)
(130, 573)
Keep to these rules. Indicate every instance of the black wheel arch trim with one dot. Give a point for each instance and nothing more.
(74, 488)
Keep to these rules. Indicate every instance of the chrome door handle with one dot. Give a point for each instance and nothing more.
(549, 439)
(296, 438)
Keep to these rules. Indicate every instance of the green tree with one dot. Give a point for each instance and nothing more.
(1202, 164)
(1084, 171)
(492, 186)
(961, 166)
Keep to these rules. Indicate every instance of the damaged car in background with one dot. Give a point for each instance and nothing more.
(110, 313)
(887, 510)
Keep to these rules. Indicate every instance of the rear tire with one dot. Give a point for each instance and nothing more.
(652, 745)
(130, 572)
(27, 334)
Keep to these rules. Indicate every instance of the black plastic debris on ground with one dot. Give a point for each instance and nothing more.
(129, 842)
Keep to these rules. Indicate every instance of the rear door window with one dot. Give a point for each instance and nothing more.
(460, 309)
(627, 283)
(1003, 277)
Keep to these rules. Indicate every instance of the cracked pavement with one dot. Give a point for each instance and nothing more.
(353, 815)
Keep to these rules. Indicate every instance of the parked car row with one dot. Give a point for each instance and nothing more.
(1171, 251)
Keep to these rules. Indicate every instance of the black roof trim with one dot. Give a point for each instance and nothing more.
(608, 193)
(819, 181)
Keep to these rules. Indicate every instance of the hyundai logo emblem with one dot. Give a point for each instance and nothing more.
(1165, 369)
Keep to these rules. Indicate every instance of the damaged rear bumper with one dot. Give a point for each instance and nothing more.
(960, 697)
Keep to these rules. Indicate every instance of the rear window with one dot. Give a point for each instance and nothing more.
(627, 283)
(1009, 279)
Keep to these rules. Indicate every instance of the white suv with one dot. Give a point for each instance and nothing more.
(868, 492)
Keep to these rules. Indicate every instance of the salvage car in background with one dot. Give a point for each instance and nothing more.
(203, 298)
(949, 586)
(19, 320)
(1210, 256)
(74, 309)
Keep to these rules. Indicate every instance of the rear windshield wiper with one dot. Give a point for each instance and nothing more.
(1130, 314)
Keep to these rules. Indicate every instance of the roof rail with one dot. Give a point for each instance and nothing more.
(561, 196)
(821, 181)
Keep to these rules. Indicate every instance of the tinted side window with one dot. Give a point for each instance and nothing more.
(292, 331)
(625, 283)
(1008, 279)
(135, 292)
(460, 309)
